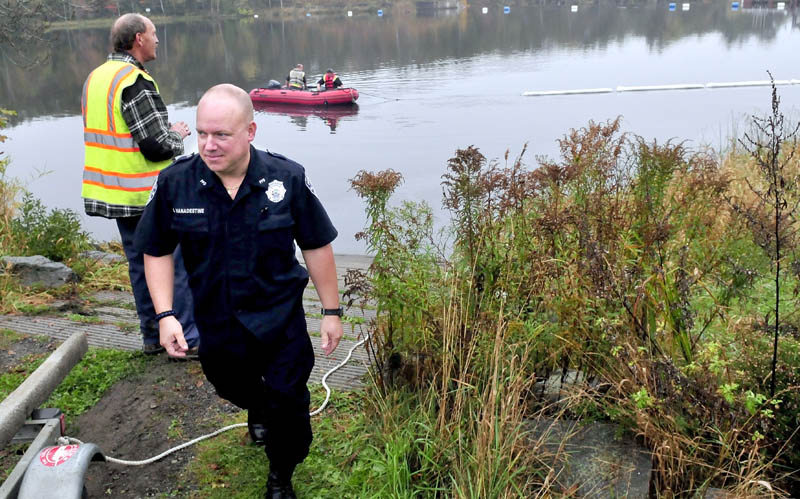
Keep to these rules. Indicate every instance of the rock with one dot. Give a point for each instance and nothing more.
(559, 387)
(592, 460)
(38, 270)
(102, 256)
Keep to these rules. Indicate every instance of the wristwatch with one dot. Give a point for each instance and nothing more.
(333, 311)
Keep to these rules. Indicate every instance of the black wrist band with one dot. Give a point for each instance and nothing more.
(166, 313)
(333, 311)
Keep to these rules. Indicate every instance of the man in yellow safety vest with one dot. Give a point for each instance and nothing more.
(128, 141)
(297, 78)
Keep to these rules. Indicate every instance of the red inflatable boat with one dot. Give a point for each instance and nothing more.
(305, 97)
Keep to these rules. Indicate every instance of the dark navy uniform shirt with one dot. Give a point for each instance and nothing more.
(239, 253)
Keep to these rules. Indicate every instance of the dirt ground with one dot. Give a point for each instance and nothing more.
(138, 418)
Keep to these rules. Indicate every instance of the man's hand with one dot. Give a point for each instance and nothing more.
(182, 128)
(331, 332)
(171, 337)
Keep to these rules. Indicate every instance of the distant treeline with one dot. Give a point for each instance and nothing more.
(68, 10)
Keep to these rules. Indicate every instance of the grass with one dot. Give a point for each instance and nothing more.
(9, 337)
(16, 298)
(86, 382)
(84, 319)
(118, 303)
(34, 308)
(127, 327)
(16, 374)
(175, 429)
(105, 277)
(339, 463)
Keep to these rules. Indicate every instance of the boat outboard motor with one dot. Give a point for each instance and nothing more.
(274, 84)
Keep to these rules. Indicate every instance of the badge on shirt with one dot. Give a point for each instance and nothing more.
(275, 191)
(152, 192)
(310, 187)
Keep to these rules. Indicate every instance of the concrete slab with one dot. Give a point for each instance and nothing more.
(593, 460)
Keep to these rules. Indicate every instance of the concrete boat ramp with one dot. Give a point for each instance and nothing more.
(116, 325)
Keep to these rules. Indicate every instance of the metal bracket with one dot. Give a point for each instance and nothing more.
(48, 435)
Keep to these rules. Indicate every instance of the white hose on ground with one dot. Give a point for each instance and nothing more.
(66, 440)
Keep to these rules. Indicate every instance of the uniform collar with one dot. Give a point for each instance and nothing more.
(256, 176)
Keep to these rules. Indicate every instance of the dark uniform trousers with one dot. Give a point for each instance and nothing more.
(182, 295)
(268, 377)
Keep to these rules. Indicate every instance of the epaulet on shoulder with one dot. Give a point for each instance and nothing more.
(276, 155)
(289, 162)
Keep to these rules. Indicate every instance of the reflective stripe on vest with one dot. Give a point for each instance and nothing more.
(111, 180)
(329, 79)
(110, 141)
(115, 171)
(296, 78)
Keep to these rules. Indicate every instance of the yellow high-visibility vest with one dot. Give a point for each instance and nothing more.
(115, 172)
(296, 78)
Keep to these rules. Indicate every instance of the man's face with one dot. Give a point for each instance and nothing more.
(149, 41)
(224, 134)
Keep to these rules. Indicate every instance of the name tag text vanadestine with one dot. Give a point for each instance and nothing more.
(189, 210)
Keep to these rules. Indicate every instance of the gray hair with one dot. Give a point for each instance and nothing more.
(124, 30)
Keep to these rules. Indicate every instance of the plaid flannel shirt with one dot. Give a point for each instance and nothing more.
(146, 116)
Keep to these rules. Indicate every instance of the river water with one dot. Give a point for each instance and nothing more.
(430, 82)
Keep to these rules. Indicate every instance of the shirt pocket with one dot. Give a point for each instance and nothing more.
(274, 247)
(275, 232)
(194, 238)
(191, 224)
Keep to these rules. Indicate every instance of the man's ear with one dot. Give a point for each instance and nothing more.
(251, 131)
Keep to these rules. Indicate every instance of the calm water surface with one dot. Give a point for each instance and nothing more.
(430, 83)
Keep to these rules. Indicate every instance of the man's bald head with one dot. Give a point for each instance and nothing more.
(225, 129)
(123, 32)
(232, 92)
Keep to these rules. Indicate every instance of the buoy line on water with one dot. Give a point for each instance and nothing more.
(648, 88)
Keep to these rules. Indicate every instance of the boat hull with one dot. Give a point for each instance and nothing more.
(295, 110)
(335, 97)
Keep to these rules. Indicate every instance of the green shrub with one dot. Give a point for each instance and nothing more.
(9, 188)
(614, 260)
(56, 235)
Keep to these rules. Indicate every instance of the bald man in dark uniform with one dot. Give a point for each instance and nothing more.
(237, 212)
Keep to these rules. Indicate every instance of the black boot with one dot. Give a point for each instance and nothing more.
(279, 487)
(256, 426)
